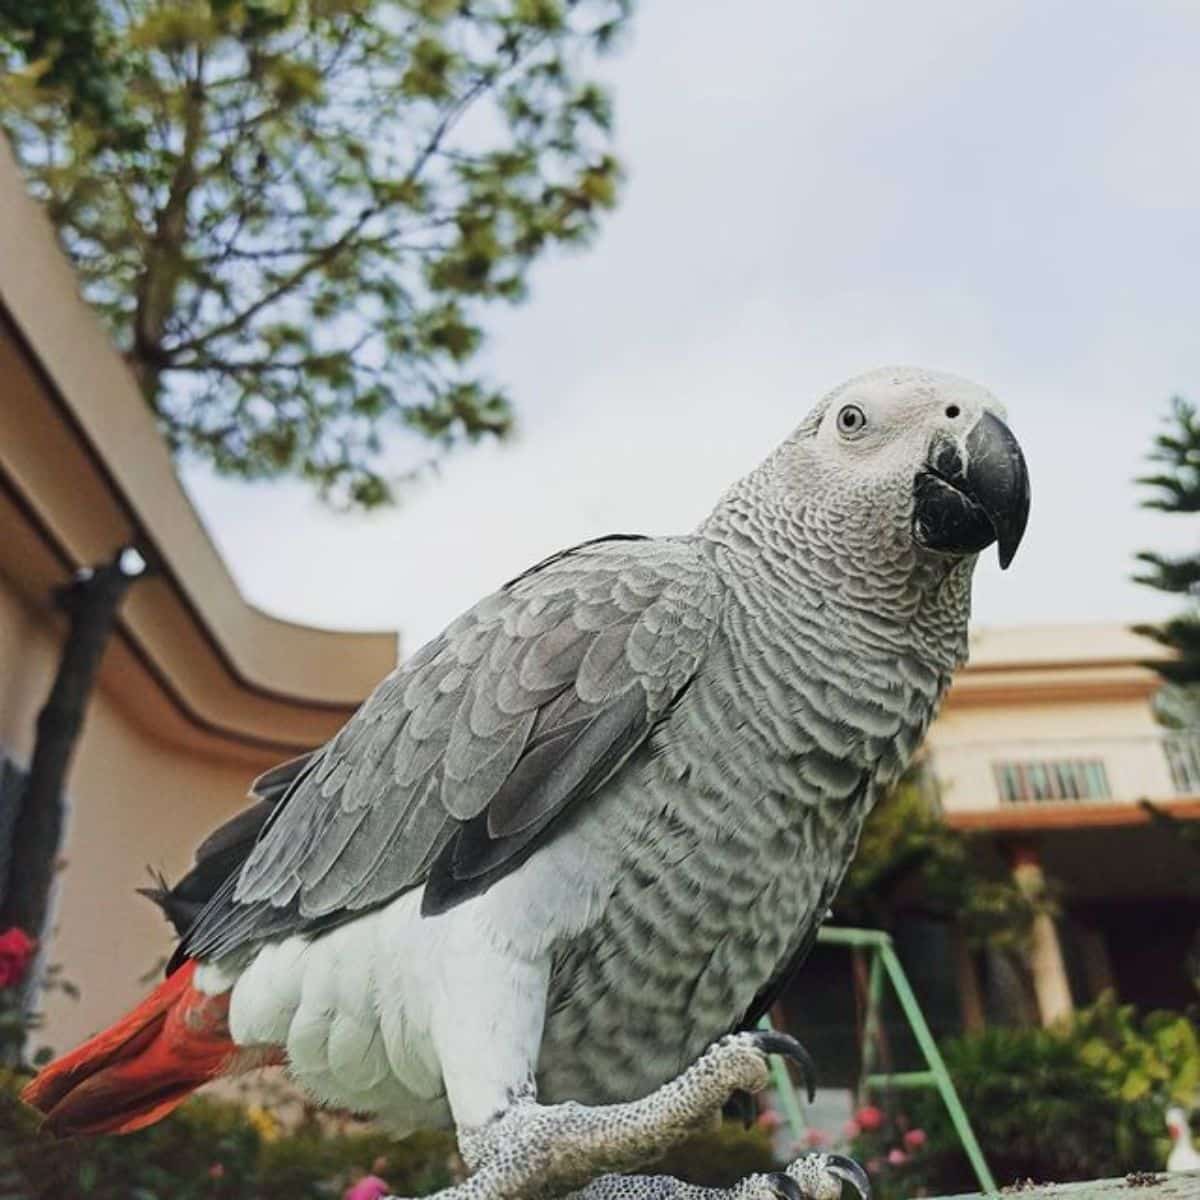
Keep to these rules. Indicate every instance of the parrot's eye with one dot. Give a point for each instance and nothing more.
(851, 421)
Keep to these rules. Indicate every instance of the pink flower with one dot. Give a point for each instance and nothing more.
(897, 1157)
(769, 1118)
(816, 1138)
(874, 1165)
(869, 1118)
(216, 1171)
(914, 1139)
(16, 949)
(369, 1187)
(851, 1130)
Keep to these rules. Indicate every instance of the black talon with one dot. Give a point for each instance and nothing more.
(771, 1041)
(848, 1170)
(784, 1186)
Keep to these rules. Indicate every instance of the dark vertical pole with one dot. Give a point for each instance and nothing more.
(91, 602)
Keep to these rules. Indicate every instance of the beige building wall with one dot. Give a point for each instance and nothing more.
(1046, 694)
(133, 802)
(1122, 733)
(198, 690)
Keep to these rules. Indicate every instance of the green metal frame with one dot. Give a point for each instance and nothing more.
(884, 961)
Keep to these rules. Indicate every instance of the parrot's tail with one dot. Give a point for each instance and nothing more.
(136, 1072)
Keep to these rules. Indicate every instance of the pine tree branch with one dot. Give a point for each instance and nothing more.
(289, 284)
(326, 255)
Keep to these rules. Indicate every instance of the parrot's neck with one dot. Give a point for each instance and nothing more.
(888, 640)
(884, 595)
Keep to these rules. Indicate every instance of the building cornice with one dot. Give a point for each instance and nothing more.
(1051, 664)
(1025, 818)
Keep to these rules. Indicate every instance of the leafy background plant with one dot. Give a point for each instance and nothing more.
(910, 862)
(1081, 1100)
(291, 213)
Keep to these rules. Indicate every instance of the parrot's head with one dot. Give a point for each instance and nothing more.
(905, 469)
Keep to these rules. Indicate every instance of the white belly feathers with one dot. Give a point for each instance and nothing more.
(403, 1015)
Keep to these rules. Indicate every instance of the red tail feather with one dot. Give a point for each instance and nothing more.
(144, 1066)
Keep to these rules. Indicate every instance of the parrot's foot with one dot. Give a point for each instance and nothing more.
(814, 1177)
(536, 1150)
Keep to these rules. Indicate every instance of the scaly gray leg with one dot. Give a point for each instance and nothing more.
(532, 1151)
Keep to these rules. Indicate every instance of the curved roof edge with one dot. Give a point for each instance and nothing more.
(83, 470)
(1031, 663)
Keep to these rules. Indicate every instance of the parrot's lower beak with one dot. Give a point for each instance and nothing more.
(972, 494)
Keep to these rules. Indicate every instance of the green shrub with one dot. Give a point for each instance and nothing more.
(895, 1152)
(720, 1157)
(1083, 1100)
(209, 1150)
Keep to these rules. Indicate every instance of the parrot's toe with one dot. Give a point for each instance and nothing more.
(769, 1041)
(851, 1172)
(783, 1186)
(821, 1176)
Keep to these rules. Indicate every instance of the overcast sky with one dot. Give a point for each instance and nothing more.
(1010, 191)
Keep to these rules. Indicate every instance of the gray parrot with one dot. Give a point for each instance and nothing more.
(593, 827)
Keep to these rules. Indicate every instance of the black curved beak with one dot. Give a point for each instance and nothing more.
(969, 496)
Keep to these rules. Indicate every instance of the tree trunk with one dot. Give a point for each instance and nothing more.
(164, 265)
(91, 602)
(970, 995)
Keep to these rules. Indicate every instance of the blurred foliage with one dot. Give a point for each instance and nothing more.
(212, 1149)
(910, 861)
(1174, 487)
(289, 212)
(67, 41)
(894, 1151)
(1080, 1100)
(18, 1023)
(718, 1158)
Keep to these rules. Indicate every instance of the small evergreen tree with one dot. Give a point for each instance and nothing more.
(1175, 488)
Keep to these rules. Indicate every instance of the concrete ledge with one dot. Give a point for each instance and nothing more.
(1184, 1185)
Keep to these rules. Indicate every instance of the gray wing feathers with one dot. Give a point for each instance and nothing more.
(462, 757)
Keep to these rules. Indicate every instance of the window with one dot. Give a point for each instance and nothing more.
(1183, 755)
(1055, 779)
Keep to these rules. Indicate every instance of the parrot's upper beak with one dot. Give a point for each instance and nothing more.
(971, 495)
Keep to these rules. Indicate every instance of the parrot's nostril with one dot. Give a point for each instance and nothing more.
(953, 411)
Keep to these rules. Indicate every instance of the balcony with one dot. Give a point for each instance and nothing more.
(979, 775)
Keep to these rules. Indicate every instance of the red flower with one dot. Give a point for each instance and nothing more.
(16, 949)
(914, 1139)
(816, 1138)
(851, 1129)
(869, 1118)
